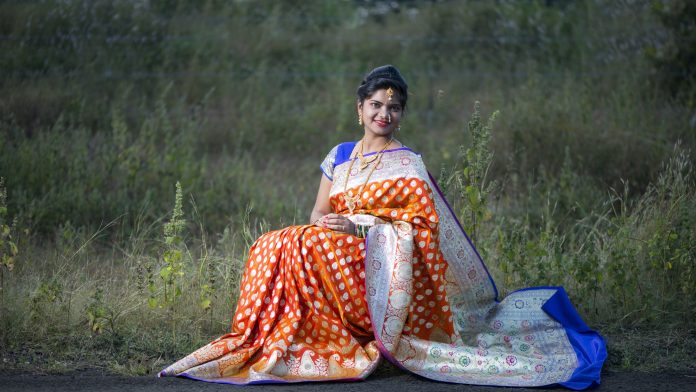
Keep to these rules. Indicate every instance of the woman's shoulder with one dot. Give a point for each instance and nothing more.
(339, 154)
(342, 152)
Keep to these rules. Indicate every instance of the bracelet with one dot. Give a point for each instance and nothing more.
(361, 230)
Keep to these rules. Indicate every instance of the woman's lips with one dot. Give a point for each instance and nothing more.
(382, 124)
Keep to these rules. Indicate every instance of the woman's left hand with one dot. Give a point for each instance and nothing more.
(337, 222)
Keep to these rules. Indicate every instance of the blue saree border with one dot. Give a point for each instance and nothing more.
(590, 347)
(454, 216)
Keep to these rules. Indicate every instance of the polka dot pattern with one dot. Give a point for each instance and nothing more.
(411, 200)
(303, 313)
(302, 295)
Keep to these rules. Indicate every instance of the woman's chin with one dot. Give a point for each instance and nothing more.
(383, 132)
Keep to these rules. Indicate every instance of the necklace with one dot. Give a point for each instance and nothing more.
(354, 200)
(363, 161)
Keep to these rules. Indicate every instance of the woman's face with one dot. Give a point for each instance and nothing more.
(380, 115)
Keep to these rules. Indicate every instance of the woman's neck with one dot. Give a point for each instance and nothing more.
(374, 143)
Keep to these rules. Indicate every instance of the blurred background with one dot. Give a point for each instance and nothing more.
(584, 179)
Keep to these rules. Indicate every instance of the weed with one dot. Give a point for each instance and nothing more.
(8, 243)
(172, 272)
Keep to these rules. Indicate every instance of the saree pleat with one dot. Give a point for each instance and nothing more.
(320, 305)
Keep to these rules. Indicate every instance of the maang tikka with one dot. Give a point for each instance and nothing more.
(390, 94)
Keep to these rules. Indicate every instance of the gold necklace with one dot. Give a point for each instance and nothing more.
(354, 200)
(364, 162)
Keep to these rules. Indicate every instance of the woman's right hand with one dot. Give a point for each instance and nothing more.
(336, 222)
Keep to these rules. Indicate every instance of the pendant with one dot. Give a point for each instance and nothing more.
(351, 205)
(351, 202)
(364, 163)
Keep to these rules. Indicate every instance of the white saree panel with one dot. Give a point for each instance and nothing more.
(513, 342)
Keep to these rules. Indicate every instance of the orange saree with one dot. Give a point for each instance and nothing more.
(318, 305)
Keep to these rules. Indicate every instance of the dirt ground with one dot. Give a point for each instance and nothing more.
(384, 379)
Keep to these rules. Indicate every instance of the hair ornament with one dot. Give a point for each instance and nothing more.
(390, 93)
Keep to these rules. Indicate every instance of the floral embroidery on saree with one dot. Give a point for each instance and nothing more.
(320, 305)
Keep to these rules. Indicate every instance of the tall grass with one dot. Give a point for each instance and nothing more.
(106, 105)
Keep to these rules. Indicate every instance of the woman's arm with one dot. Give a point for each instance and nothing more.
(322, 206)
(323, 216)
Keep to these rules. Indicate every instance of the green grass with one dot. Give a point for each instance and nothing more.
(105, 106)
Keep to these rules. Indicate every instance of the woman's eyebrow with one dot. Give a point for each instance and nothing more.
(374, 100)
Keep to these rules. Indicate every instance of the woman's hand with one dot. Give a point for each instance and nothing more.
(336, 222)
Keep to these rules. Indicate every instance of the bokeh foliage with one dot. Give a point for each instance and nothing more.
(122, 99)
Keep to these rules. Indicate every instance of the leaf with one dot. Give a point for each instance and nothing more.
(205, 303)
(9, 262)
(152, 303)
(470, 154)
(473, 194)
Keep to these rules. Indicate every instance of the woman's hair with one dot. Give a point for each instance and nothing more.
(383, 77)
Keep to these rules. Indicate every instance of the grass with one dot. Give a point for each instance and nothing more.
(105, 106)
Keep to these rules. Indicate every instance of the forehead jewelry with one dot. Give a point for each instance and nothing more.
(390, 93)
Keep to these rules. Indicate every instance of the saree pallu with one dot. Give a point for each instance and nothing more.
(319, 305)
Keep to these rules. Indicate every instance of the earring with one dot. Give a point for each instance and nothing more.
(359, 118)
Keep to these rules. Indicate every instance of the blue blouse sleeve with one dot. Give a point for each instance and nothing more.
(338, 155)
(327, 166)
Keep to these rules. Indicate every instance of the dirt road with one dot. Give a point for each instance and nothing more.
(385, 379)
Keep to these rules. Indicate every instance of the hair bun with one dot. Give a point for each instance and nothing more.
(383, 77)
(388, 72)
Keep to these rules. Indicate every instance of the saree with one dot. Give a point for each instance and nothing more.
(320, 305)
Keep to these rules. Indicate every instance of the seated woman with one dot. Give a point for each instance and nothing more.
(385, 269)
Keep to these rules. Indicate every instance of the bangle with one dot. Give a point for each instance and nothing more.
(361, 230)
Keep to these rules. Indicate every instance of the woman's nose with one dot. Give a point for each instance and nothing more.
(384, 113)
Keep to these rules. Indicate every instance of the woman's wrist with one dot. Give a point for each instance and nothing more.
(317, 219)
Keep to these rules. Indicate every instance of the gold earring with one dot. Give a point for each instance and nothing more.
(359, 118)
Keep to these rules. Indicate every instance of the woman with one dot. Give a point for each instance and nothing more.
(385, 269)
